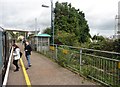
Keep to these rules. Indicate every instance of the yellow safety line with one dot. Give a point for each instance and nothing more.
(25, 74)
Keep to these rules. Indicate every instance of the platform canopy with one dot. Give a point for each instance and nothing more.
(42, 35)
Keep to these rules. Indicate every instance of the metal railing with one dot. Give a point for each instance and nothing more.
(103, 66)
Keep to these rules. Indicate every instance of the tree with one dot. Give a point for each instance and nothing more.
(47, 31)
(12, 34)
(72, 22)
(98, 38)
(66, 38)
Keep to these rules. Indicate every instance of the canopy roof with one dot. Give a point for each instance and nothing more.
(42, 35)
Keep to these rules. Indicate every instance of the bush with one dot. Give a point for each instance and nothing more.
(106, 45)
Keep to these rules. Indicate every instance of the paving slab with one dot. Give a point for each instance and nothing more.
(16, 78)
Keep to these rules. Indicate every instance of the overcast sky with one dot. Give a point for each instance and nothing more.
(100, 14)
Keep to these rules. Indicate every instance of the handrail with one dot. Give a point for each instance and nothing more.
(91, 49)
(102, 66)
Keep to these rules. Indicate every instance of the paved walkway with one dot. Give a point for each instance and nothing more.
(45, 72)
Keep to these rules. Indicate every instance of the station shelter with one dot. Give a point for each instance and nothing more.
(41, 42)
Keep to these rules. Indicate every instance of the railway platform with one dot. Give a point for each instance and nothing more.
(43, 72)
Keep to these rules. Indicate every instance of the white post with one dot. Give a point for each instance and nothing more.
(80, 59)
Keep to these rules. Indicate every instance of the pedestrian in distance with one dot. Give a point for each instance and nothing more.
(16, 56)
(28, 50)
(24, 42)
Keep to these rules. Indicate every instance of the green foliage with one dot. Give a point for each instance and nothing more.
(66, 38)
(71, 23)
(12, 34)
(22, 33)
(98, 38)
(106, 45)
(116, 45)
(47, 31)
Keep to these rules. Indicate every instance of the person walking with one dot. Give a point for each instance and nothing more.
(28, 50)
(16, 56)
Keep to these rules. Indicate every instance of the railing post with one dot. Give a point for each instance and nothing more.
(80, 59)
(56, 52)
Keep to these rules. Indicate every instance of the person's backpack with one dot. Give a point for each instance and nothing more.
(20, 54)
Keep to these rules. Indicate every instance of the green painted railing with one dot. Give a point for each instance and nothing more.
(102, 66)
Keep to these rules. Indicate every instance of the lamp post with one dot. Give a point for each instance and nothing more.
(36, 26)
(52, 21)
(116, 26)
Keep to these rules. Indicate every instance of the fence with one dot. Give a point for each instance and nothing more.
(102, 66)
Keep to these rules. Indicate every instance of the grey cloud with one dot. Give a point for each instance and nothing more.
(108, 25)
(104, 26)
(103, 23)
(22, 14)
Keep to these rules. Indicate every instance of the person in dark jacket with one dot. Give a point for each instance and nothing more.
(28, 50)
